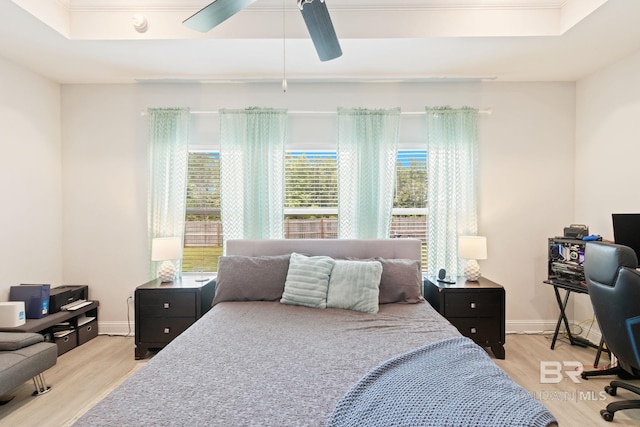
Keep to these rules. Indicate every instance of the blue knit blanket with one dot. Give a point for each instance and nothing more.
(452, 382)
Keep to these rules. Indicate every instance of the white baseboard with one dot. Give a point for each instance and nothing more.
(531, 326)
(548, 327)
(116, 328)
(512, 327)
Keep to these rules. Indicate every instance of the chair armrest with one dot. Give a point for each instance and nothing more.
(10, 341)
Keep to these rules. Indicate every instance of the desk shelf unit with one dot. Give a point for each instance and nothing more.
(566, 274)
(82, 325)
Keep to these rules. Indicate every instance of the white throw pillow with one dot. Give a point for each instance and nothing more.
(307, 280)
(355, 285)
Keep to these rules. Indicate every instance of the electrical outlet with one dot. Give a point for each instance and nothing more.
(133, 295)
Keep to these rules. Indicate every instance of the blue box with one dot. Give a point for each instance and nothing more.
(35, 297)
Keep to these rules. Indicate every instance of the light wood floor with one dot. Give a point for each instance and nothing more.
(84, 375)
(572, 404)
(80, 379)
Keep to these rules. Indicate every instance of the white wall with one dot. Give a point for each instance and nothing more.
(30, 179)
(533, 179)
(526, 169)
(607, 150)
(608, 144)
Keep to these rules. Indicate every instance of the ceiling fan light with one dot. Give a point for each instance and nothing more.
(318, 22)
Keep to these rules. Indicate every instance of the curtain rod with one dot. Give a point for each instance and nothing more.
(486, 111)
(303, 112)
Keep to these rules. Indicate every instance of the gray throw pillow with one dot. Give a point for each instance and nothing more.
(401, 280)
(307, 280)
(354, 285)
(244, 278)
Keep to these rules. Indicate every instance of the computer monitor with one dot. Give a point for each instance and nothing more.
(626, 230)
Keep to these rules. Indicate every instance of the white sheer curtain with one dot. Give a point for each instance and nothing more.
(452, 151)
(367, 153)
(168, 131)
(252, 173)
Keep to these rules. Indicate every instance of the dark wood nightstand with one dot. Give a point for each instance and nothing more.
(477, 309)
(165, 310)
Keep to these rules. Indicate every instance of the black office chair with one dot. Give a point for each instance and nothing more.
(614, 289)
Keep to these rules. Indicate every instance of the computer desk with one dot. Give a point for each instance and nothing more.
(569, 287)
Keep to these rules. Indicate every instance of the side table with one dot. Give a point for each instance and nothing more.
(165, 310)
(477, 309)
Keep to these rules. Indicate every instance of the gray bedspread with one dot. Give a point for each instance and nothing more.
(265, 364)
(433, 386)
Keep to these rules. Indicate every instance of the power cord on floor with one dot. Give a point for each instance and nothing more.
(128, 334)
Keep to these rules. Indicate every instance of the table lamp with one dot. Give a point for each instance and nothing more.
(472, 248)
(166, 249)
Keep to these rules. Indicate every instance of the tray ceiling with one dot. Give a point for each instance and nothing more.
(94, 41)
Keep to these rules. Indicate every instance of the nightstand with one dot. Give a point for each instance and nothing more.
(477, 309)
(165, 310)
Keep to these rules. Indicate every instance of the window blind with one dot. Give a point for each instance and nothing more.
(311, 180)
(311, 200)
(409, 218)
(203, 230)
(411, 180)
(311, 195)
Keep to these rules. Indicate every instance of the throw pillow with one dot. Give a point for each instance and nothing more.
(354, 285)
(401, 280)
(307, 280)
(244, 278)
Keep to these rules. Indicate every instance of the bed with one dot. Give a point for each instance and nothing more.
(258, 359)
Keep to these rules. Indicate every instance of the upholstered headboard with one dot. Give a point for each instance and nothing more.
(337, 248)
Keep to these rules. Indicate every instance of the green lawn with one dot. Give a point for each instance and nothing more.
(201, 258)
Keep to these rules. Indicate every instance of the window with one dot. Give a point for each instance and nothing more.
(203, 229)
(410, 199)
(311, 195)
(311, 202)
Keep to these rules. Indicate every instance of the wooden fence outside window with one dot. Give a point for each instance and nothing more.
(203, 239)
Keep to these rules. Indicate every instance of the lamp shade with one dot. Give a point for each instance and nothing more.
(472, 247)
(166, 248)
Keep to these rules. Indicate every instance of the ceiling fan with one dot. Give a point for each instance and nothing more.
(315, 14)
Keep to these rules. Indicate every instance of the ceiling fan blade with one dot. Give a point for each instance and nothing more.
(215, 13)
(316, 17)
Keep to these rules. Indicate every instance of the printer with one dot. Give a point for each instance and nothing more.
(63, 295)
